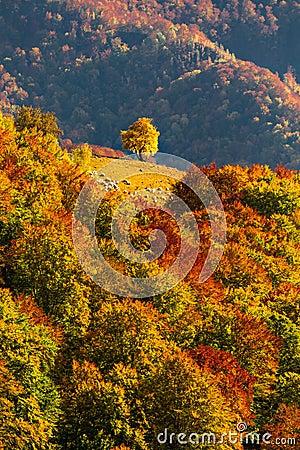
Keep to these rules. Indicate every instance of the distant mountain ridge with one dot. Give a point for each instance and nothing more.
(100, 64)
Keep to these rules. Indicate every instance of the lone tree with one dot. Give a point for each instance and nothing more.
(141, 138)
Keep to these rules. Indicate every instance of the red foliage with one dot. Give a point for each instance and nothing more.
(37, 316)
(284, 426)
(106, 151)
(235, 383)
(97, 150)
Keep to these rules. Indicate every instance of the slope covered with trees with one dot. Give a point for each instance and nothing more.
(101, 64)
(85, 369)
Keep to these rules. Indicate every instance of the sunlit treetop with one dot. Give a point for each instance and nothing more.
(141, 138)
(29, 117)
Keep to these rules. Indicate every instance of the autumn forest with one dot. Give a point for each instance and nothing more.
(81, 367)
(101, 64)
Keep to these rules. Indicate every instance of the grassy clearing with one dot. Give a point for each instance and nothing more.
(141, 174)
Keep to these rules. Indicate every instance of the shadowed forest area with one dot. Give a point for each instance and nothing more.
(218, 78)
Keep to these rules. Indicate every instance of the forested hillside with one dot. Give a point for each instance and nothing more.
(219, 78)
(84, 369)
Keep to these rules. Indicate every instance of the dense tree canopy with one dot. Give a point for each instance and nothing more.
(84, 369)
(29, 117)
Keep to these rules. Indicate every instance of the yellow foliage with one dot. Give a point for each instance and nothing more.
(141, 138)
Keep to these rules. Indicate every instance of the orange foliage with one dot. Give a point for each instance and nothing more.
(236, 384)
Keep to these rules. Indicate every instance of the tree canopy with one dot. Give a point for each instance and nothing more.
(29, 117)
(141, 138)
(81, 368)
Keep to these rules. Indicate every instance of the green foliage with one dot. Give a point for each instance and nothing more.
(42, 262)
(270, 195)
(29, 117)
(42, 184)
(87, 400)
(29, 400)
